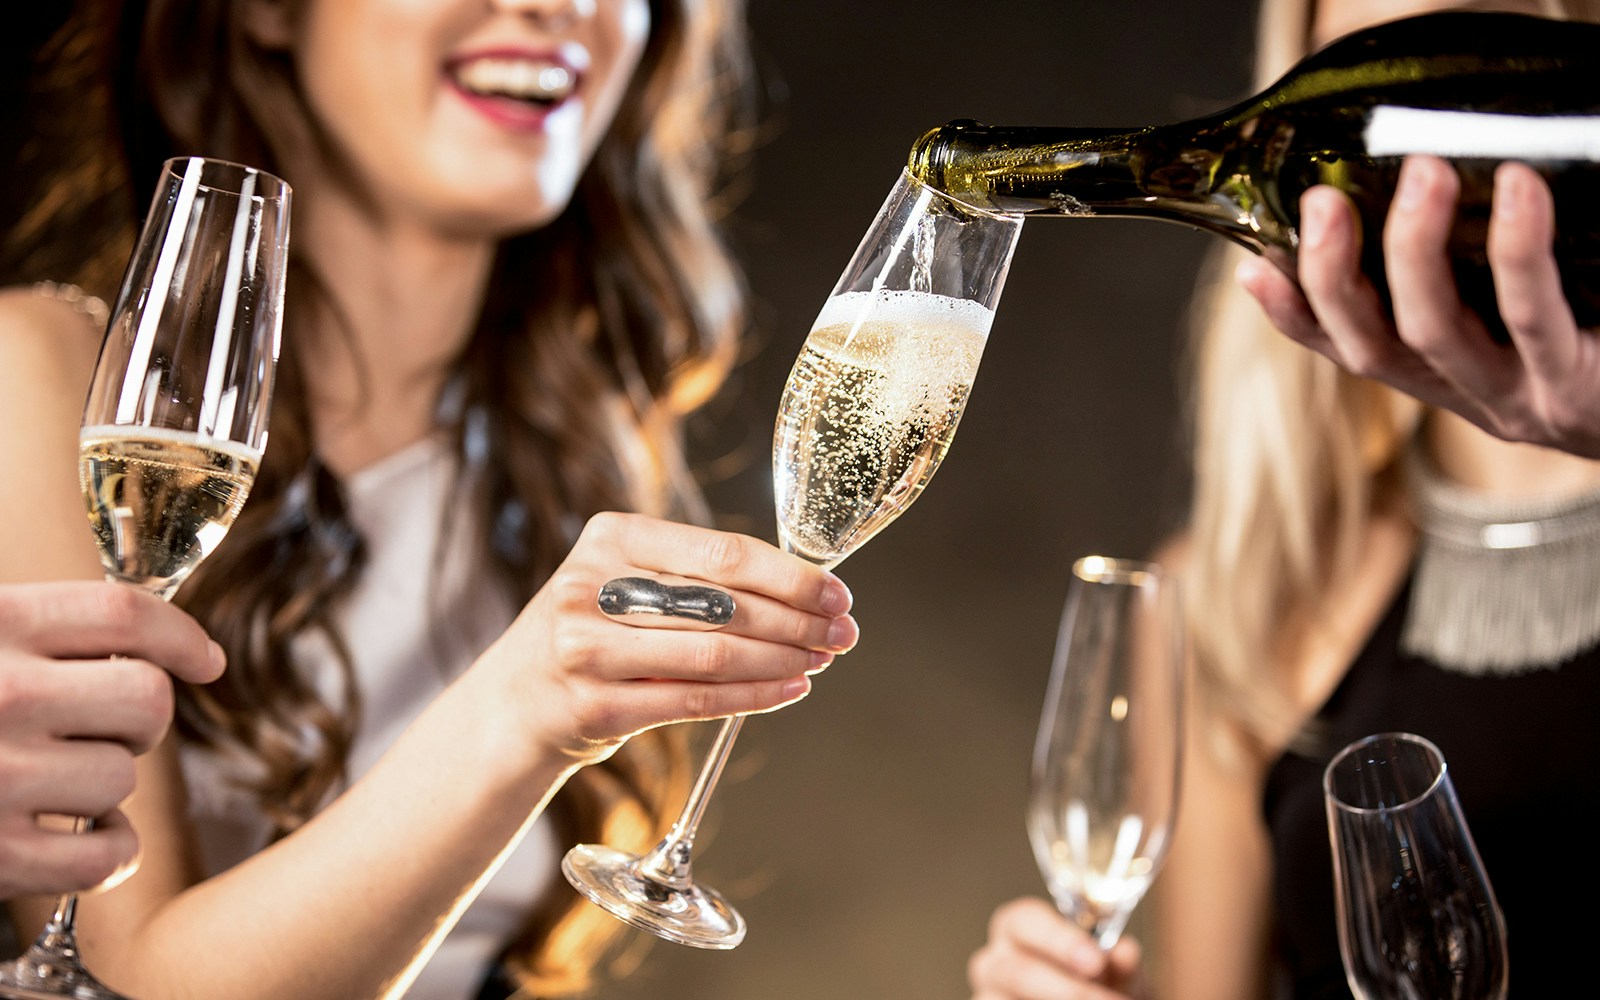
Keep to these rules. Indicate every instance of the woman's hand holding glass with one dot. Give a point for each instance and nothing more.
(1541, 388)
(584, 682)
(174, 425)
(1035, 953)
(84, 689)
(1106, 762)
(1104, 790)
(867, 414)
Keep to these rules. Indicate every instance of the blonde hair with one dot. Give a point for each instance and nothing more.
(1292, 456)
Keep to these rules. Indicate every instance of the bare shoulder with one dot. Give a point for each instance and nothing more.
(47, 354)
(45, 341)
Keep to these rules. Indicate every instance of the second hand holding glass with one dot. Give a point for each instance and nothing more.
(868, 413)
(175, 423)
(1106, 764)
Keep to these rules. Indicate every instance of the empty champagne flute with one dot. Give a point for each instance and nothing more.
(175, 422)
(1417, 916)
(866, 417)
(1106, 763)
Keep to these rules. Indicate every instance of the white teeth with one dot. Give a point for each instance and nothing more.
(523, 79)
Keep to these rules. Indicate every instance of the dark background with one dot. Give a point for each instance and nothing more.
(868, 832)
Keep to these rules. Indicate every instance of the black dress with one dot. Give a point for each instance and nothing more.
(1524, 756)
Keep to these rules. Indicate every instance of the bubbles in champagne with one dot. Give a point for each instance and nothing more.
(868, 413)
(160, 500)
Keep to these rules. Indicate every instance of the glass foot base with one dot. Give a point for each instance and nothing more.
(49, 977)
(677, 910)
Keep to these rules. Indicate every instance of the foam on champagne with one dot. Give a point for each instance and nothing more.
(906, 309)
(928, 342)
(187, 439)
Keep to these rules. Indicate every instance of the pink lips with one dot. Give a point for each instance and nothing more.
(509, 112)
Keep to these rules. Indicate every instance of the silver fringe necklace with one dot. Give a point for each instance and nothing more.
(1501, 586)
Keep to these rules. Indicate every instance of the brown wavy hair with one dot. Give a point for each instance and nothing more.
(564, 405)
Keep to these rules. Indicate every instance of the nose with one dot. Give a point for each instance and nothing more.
(552, 12)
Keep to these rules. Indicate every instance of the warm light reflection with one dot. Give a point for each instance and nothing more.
(1101, 569)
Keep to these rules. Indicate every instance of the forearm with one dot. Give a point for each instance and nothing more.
(1209, 909)
(350, 905)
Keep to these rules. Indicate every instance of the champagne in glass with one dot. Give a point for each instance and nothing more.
(1417, 915)
(1104, 794)
(175, 422)
(869, 412)
(160, 499)
(866, 417)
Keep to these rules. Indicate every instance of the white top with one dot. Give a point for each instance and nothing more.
(410, 626)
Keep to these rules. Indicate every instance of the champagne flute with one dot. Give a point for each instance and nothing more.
(866, 417)
(1106, 762)
(175, 422)
(1417, 916)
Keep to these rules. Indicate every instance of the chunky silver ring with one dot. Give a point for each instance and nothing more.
(637, 595)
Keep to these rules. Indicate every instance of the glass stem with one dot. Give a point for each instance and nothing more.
(668, 861)
(56, 947)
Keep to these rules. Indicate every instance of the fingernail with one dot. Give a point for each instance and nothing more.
(819, 661)
(1313, 221)
(836, 598)
(843, 633)
(1510, 195)
(797, 688)
(1088, 960)
(1249, 272)
(1408, 194)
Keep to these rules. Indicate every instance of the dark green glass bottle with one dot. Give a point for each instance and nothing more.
(1474, 88)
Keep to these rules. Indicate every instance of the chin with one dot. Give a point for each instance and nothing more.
(508, 201)
(492, 221)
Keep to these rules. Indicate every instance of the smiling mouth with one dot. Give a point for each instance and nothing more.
(533, 81)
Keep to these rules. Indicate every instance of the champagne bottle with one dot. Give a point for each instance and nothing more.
(1475, 88)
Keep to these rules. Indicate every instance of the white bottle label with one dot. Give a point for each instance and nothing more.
(1395, 131)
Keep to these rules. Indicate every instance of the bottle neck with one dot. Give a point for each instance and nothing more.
(1178, 173)
(1028, 170)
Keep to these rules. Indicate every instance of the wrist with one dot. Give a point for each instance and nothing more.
(500, 706)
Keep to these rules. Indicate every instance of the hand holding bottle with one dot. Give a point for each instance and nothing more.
(1497, 116)
(1034, 953)
(1540, 388)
